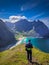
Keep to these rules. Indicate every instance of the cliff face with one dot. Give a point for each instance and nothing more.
(41, 28)
(6, 36)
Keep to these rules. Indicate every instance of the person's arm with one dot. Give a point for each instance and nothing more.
(26, 47)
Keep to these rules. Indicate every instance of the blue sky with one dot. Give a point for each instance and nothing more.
(32, 9)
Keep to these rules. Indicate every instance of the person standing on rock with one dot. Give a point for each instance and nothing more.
(28, 48)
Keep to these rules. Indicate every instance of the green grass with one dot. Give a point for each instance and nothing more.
(17, 56)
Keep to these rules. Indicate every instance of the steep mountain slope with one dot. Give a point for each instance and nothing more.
(23, 25)
(10, 25)
(41, 28)
(6, 36)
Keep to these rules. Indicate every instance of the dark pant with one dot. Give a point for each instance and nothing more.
(29, 55)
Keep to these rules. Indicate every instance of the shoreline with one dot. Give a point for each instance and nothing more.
(11, 46)
(19, 42)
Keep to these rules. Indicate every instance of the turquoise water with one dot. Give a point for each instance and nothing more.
(40, 43)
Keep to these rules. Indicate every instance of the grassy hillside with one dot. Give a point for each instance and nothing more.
(17, 56)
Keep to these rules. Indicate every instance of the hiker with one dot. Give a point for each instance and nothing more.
(29, 47)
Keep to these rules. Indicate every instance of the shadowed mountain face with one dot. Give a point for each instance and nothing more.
(23, 25)
(10, 25)
(6, 36)
(26, 26)
(41, 28)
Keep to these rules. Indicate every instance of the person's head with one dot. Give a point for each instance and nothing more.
(29, 40)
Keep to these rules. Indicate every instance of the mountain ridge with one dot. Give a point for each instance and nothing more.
(26, 26)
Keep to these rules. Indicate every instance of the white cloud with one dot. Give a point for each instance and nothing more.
(21, 8)
(37, 16)
(29, 5)
(14, 19)
(4, 20)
